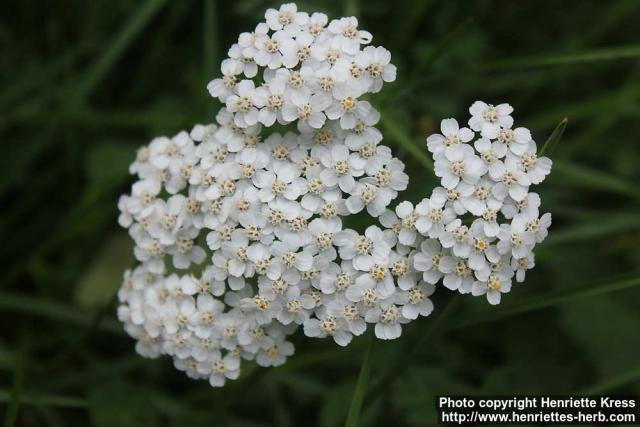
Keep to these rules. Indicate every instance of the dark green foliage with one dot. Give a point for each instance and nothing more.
(85, 82)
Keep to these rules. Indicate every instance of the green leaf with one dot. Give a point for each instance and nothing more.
(361, 386)
(410, 17)
(442, 47)
(398, 135)
(416, 390)
(604, 337)
(121, 404)
(15, 397)
(45, 400)
(612, 384)
(53, 310)
(600, 226)
(209, 34)
(351, 8)
(546, 300)
(107, 166)
(554, 138)
(585, 177)
(596, 55)
(210, 54)
(101, 66)
(104, 275)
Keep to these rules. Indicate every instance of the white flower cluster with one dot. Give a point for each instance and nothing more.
(481, 226)
(240, 237)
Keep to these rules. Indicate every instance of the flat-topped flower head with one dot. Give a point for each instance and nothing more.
(238, 230)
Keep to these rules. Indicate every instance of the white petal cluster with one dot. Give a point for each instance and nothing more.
(477, 231)
(239, 234)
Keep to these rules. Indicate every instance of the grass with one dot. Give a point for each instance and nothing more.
(85, 84)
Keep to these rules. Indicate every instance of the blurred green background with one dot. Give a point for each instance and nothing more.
(85, 82)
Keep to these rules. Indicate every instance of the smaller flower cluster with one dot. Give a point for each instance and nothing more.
(313, 70)
(478, 230)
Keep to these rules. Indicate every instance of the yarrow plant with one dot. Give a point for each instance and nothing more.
(239, 235)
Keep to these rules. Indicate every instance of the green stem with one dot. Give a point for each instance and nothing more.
(355, 408)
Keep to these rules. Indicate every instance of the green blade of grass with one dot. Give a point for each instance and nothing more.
(443, 45)
(101, 66)
(547, 300)
(351, 8)
(397, 134)
(553, 140)
(209, 43)
(613, 383)
(15, 396)
(583, 176)
(54, 311)
(45, 400)
(409, 19)
(434, 326)
(42, 75)
(595, 55)
(601, 226)
(355, 408)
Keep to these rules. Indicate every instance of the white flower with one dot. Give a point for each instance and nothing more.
(296, 306)
(457, 236)
(515, 239)
(451, 136)
(459, 163)
(389, 318)
(539, 227)
(433, 261)
(482, 251)
(418, 302)
(341, 166)
(272, 97)
(432, 216)
(288, 259)
(512, 181)
(490, 152)
(477, 198)
(223, 88)
(276, 354)
(284, 17)
(243, 103)
(521, 265)
(487, 119)
(295, 51)
(516, 140)
(208, 309)
(406, 223)
(185, 251)
(348, 37)
(283, 181)
(268, 49)
(493, 288)
(458, 274)
(329, 326)
(220, 368)
(370, 196)
(535, 168)
(526, 208)
(348, 108)
(376, 62)
(307, 110)
(167, 218)
(341, 308)
(365, 250)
